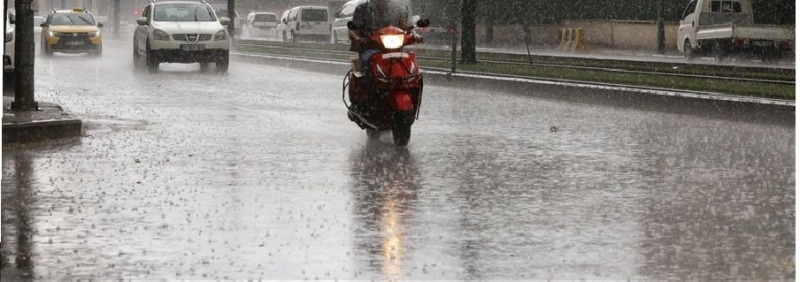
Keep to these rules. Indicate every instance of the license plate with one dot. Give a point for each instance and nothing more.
(74, 43)
(193, 47)
(762, 43)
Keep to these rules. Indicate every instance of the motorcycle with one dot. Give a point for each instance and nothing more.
(393, 99)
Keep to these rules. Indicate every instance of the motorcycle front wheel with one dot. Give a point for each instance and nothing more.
(401, 128)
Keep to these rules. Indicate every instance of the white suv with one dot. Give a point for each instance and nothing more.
(181, 32)
(11, 38)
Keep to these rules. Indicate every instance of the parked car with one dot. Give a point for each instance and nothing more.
(726, 27)
(307, 22)
(71, 31)
(11, 38)
(181, 32)
(341, 17)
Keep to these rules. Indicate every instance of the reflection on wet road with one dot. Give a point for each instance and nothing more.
(259, 174)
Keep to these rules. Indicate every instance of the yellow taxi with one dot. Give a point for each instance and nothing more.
(71, 31)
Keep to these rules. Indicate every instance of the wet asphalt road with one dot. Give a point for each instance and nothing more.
(259, 174)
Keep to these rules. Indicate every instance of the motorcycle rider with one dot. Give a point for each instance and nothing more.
(369, 17)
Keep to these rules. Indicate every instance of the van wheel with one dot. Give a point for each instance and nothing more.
(294, 37)
(688, 53)
(283, 36)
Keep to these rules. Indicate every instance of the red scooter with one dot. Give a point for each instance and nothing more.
(393, 100)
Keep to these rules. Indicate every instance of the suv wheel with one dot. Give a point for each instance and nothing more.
(222, 63)
(150, 58)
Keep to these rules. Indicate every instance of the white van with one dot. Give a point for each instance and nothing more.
(308, 22)
(280, 31)
(344, 15)
(262, 22)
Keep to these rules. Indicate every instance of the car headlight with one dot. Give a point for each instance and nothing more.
(94, 33)
(50, 33)
(221, 35)
(160, 35)
(392, 41)
(9, 36)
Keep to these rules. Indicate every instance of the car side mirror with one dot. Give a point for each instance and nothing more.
(141, 21)
(351, 25)
(44, 25)
(337, 15)
(99, 24)
(424, 23)
(224, 21)
(285, 21)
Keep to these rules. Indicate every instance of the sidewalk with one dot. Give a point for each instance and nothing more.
(49, 122)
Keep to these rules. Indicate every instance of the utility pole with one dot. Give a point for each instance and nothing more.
(468, 40)
(454, 4)
(232, 16)
(661, 36)
(23, 58)
(116, 19)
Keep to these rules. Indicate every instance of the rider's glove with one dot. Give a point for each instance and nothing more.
(418, 39)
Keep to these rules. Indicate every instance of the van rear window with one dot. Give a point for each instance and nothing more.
(311, 15)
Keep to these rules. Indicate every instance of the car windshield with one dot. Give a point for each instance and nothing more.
(183, 13)
(72, 19)
(38, 21)
(266, 18)
(315, 15)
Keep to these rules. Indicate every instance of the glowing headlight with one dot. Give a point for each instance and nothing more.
(392, 41)
(9, 36)
(160, 35)
(50, 33)
(220, 35)
(94, 33)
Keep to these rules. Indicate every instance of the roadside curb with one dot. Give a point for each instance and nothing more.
(50, 122)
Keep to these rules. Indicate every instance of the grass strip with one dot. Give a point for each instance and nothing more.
(753, 89)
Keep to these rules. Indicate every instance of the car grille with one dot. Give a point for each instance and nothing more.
(184, 37)
(74, 35)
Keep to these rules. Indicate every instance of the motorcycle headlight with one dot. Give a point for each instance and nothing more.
(392, 41)
(9, 36)
(221, 35)
(160, 35)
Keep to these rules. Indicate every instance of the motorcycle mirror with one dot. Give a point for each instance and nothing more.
(415, 18)
(424, 23)
(351, 25)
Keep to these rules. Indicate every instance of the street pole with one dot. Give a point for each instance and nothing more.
(661, 36)
(232, 16)
(116, 19)
(454, 4)
(23, 58)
